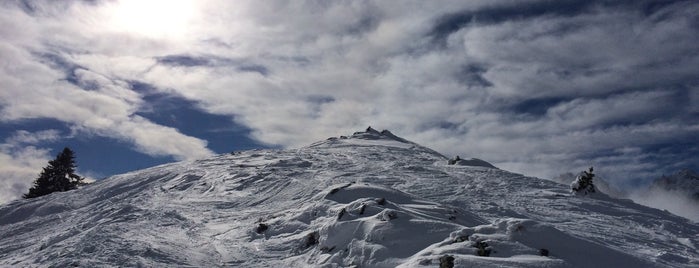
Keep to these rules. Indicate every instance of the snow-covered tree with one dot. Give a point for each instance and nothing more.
(583, 183)
(58, 176)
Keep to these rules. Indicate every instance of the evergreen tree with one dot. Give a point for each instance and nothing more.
(58, 176)
(583, 183)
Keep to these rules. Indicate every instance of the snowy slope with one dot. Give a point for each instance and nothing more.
(368, 200)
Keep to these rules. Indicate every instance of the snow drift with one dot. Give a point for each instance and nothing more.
(371, 199)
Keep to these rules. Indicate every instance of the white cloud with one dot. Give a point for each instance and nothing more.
(152, 139)
(19, 169)
(21, 161)
(26, 137)
(35, 86)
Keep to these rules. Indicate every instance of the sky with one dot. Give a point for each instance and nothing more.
(535, 87)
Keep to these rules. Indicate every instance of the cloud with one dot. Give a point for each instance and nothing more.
(26, 137)
(537, 87)
(22, 161)
(151, 138)
(44, 81)
(605, 69)
(676, 202)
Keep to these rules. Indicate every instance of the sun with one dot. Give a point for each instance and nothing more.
(152, 18)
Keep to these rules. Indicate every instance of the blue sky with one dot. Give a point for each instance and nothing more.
(536, 87)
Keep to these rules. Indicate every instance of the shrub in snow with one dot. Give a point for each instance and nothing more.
(452, 214)
(543, 252)
(446, 261)
(461, 238)
(311, 239)
(583, 183)
(341, 213)
(326, 249)
(425, 262)
(261, 228)
(454, 161)
(381, 201)
(483, 249)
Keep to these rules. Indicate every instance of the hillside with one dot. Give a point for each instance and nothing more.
(371, 199)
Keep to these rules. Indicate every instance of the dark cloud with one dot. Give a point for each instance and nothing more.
(472, 75)
(523, 10)
(320, 99)
(254, 68)
(184, 60)
(29, 7)
(536, 106)
(210, 61)
(450, 23)
(47, 7)
(69, 68)
(364, 25)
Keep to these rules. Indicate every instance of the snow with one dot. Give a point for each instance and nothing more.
(369, 200)
(473, 162)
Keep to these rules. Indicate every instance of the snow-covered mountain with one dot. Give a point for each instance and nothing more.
(366, 200)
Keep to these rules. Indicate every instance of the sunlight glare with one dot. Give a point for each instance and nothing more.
(153, 18)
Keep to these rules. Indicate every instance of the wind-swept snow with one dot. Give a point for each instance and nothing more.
(369, 200)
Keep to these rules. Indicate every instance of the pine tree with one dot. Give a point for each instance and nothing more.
(58, 176)
(583, 183)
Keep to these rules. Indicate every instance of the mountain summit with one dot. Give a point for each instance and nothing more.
(370, 199)
(372, 134)
(383, 138)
